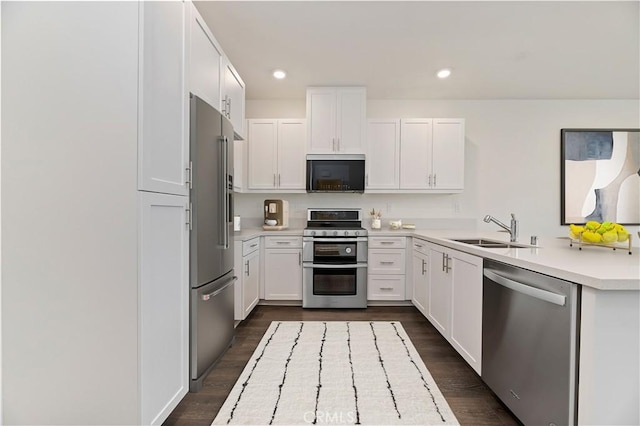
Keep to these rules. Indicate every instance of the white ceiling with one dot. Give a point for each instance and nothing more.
(497, 50)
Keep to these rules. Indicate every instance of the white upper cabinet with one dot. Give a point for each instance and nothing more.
(276, 154)
(205, 78)
(448, 153)
(336, 120)
(383, 154)
(263, 154)
(432, 154)
(291, 153)
(233, 98)
(415, 153)
(162, 99)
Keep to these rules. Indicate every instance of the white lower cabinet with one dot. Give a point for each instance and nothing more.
(386, 271)
(454, 300)
(163, 304)
(283, 268)
(247, 268)
(420, 275)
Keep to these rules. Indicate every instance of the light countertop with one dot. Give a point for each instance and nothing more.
(597, 267)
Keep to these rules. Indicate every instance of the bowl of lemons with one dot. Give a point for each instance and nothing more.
(607, 234)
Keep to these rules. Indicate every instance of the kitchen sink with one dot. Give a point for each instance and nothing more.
(481, 242)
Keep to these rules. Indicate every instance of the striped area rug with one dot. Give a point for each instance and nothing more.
(338, 373)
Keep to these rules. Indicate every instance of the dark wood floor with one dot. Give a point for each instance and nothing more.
(471, 401)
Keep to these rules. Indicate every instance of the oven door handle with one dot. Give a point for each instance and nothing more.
(343, 266)
(336, 240)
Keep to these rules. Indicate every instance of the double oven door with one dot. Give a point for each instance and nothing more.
(334, 272)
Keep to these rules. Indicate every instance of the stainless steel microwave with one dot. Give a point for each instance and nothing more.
(335, 173)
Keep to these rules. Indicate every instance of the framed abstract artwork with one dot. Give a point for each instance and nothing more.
(600, 176)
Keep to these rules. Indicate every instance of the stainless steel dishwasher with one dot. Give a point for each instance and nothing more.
(530, 343)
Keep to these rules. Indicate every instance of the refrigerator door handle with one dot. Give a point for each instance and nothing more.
(224, 230)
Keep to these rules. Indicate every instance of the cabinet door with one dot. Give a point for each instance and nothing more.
(439, 295)
(321, 120)
(162, 105)
(283, 274)
(233, 98)
(262, 161)
(205, 62)
(415, 153)
(351, 120)
(250, 283)
(291, 154)
(466, 307)
(383, 154)
(239, 165)
(163, 304)
(420, 281)
(448, 153)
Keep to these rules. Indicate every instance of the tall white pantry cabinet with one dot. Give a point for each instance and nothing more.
(94, 223)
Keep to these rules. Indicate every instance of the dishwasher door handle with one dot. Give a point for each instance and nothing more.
(547, 296)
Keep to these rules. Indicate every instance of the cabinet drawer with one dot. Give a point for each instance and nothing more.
(250, 246)
(387, 242)
(386, 261)
(421, 246)
(385, 287)
(282, 242)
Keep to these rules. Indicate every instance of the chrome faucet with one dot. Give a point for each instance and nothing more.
(513, 230)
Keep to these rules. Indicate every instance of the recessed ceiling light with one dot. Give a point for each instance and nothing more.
(279, 74)
(444, 73)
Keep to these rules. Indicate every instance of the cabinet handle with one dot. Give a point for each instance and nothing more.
(434, 180)
(274, 180)
(247, 265)
(333, 144)
(229, 109)
(418, 245)
(278, 179)
(386, 288)
(423, 270)
(445, 263)
(338, 139)
(224, 106)
(283, 242)
(429, 179)
(299, 258)
(254, 245)
(367, 179)
(189, 181)
(189, 216)
(386, 242)
(386, 262)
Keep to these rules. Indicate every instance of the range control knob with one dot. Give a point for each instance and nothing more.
(348, 250)
(324, 232)
(335, 233)
(356, 233)
(346, 233)
(313, 233)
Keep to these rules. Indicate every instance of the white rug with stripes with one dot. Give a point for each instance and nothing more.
(314, 372)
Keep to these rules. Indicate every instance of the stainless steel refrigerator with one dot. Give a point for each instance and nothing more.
(211, 240)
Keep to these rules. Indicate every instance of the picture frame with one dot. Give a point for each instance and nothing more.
(600, 176)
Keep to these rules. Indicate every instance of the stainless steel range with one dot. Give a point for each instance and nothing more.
(334, 259)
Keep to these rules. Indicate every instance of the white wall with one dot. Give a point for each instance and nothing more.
(69, 212)
(512, 158)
